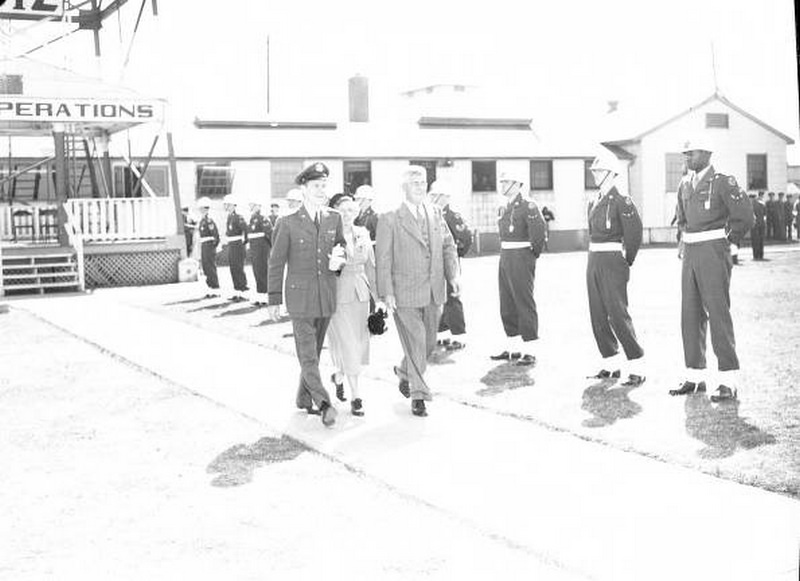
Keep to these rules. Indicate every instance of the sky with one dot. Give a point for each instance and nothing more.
(557, 60)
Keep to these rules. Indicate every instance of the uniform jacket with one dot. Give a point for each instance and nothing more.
(458, 229)
(759, 213)
(613, 218)
(369, 220)
(521, 221)
(358, 274)
(303, 251)
(260, 223)
(410, 270)
(717, 202)
(207, 228)
(236, 226)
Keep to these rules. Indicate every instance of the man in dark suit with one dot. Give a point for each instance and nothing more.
(309, 245)
(415, 254)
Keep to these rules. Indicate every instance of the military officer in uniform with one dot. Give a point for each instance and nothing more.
(788, 207)
(367, 217)
(309, 245)
(453, 312)
(522, 235)
(615, 235)
(208, 237)
(780, 218)
(236, 240)
(770, 216)
(757, 233)
(260, 236)
(714, 215)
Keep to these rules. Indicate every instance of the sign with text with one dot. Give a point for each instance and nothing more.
(59, 110)
(30, 9)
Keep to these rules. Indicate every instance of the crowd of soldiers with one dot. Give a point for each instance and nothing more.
(713, 216)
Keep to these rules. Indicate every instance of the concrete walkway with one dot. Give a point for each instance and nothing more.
(586, 509)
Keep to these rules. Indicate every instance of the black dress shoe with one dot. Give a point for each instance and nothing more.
(418, 408)
(633, 380)
(309, 409)
(724, 393)
(525, 360)
(504, 356)
(356, 408)
(605, 374)
(339, 389)
(689, 387)
(455, 346)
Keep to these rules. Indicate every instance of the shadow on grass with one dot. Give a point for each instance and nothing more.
(505, 377)
(720, 428)
(607, 404)
(236, 465)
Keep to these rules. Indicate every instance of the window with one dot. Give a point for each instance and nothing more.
(675, 169)
(484, 176)
(588, 178)
(282, 174)
(214, 180)
(542, 174)
(756, 171)
(719, 120)
(356, 173)
(430, 168)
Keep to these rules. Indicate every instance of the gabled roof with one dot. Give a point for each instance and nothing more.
(716, 96)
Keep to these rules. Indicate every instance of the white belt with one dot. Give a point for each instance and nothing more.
(694, 237)
(605, 246)
(206, 238)
(511, 244)
(256, 235)
(234, 238)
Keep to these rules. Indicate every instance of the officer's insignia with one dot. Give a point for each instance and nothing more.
(732, 181)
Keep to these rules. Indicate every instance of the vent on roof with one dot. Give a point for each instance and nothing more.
(718, 120)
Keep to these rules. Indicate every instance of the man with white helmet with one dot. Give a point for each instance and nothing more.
(714, 214)
(522, 235)
(236, 239)
(367, 217)
(260, 236)
(615, 235)
(208, 236)
(294, 199)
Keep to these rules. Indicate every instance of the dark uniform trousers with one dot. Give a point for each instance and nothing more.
(208, 258)
(757, 241)
(607, 278)
(236, 256)
(705, 285)
(517, 306)
(309, 335)
(259, 248)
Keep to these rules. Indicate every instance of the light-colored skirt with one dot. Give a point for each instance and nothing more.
(348, 337)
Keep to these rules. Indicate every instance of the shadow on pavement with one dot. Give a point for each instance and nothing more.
(211, 307)
(235, 466)
(243, 311)
(720, 428)
(440, 356)
(187, 301)
(267, 322)
(607, 405)
(505, 377)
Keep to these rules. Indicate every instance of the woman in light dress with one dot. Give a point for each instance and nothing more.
(348, 335)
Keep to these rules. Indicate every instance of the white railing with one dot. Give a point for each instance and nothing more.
(32, 229)
(76, 241)
(109, 219)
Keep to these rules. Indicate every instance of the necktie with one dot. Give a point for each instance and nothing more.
(694, 181)
(316, 219)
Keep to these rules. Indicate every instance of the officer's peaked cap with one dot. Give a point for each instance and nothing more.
(315, 171)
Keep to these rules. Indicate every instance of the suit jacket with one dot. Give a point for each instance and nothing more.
(303, 250)
(413, 272)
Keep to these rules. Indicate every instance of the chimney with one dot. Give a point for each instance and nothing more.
(359, 99)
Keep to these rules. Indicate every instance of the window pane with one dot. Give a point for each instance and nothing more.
(542, 174)
(356, 173)
(282, 174)
(214, 180)
(756, 172)
(484, 176)
(675, 169)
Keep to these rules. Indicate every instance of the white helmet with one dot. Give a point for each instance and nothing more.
(232, 199)
(699, 142)
(294, 195)
(513, 176)
(259, 201)
(364, 192)
(606, 161)
(204, 202)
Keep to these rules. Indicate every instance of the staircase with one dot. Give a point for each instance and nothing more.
(39, 270)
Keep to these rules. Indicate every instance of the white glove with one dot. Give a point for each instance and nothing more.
(734, 250)
(337, 258)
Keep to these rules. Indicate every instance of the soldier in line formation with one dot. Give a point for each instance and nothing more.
(780, 217)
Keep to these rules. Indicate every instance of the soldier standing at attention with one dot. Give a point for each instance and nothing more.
(522, 235)
(770, 216)
(260, 236)
(757, 233)
(309, 244)
(714, 215)
(788, 209)
(236, 239)
(208, 237)
(615, 234)
(780, 218)
(274, 213)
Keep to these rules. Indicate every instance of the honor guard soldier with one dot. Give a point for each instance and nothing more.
(453, 311)
(759, 228)
(236, 239)
(303, 245)
(714, 215)
(522, 235)
(260, 236)
(274, 213)
(367, 217)
(294, 199)
(208, 237)
(615, 235)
